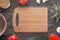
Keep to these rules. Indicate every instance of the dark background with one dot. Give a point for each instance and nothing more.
(52, 25)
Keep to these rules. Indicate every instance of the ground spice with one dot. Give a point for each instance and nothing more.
(2, 24)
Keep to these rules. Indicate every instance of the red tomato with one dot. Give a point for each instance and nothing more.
(23, 2)
(54, 37)
(13, 37)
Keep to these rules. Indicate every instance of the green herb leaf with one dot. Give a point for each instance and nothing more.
(34, 38)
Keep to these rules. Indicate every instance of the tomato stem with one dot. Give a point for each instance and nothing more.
(22, 0)
(48, 36)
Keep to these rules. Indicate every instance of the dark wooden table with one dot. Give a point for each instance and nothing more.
(52, 25)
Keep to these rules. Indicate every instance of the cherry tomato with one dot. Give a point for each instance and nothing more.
(23, 2)
(54, 37)
(13, 37)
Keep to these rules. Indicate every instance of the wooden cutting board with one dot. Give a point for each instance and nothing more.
(31, 19)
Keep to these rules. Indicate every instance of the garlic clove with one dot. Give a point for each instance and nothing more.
(58, 29)
(38, 1)
(44, 1)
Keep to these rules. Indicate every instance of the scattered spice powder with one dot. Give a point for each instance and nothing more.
(2, 23)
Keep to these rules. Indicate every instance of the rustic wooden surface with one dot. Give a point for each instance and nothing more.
(52, 25)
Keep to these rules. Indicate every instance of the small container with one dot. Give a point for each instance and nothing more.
(3, 24)
(4, 4)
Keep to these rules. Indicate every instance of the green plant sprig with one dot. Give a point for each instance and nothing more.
(56, 11)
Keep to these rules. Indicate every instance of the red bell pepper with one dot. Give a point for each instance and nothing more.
(53, 37)
(13, 37)
(23, 2)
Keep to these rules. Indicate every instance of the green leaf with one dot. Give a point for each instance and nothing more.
(55, 15)
(33, 38)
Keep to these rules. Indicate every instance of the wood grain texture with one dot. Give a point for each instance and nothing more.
(31, 19)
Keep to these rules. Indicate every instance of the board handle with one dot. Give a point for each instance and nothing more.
(14, 21)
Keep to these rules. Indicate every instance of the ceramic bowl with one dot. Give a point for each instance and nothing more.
(4, 4)
(3, 24)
